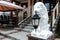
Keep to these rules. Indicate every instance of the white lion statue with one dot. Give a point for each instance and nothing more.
(43, 30)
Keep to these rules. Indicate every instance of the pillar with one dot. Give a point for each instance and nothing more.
(29, 6)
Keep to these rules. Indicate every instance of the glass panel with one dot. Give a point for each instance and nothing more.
(36, 22)
(7, 13)
(47, 6)
(1, 13)
(33, 22)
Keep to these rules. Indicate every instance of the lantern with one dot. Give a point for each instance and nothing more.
(35, 20)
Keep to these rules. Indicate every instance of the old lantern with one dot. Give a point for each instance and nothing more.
(35, 20)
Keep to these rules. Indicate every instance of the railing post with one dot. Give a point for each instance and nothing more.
(54, 14)
(59, 6)
(51, 20)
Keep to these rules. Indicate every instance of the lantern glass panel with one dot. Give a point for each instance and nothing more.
(36, 22)
(33, 22)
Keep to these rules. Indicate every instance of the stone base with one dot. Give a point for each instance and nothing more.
(34, 38)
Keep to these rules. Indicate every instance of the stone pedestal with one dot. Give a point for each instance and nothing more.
(34, 38)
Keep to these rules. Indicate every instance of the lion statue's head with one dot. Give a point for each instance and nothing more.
(40, 9)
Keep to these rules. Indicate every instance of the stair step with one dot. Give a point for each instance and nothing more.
(26, 23)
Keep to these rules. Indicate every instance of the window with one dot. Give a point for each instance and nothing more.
(47, 6)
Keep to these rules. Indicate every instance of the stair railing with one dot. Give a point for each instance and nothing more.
(54, 15)
(25, 18)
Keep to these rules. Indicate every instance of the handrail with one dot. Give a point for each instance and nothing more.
(54, 14)
(25, 18)
(20, 15)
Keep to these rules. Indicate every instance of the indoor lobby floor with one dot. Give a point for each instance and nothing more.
(13, 35)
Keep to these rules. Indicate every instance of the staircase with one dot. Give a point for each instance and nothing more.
(58, 26)
(54, 17)
(26, 23)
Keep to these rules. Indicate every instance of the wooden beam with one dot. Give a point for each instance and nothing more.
(29, 6)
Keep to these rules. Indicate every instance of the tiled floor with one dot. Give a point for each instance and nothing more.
(15, 34)
(20, 35)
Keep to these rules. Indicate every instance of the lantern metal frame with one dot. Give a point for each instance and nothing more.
(35, 20)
